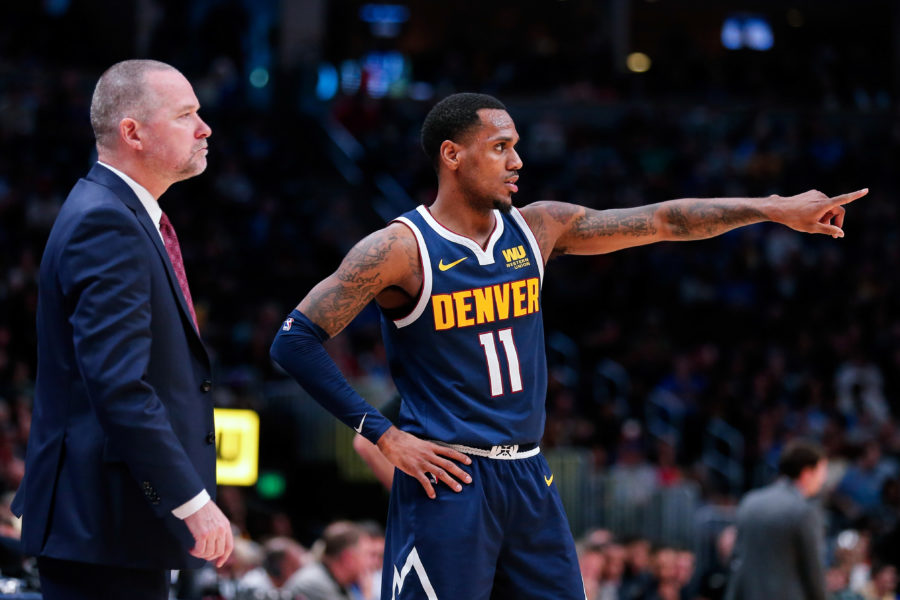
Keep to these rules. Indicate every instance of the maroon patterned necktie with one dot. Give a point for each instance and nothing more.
(173, 249)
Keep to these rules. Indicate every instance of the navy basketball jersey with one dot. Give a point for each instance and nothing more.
(469, 359)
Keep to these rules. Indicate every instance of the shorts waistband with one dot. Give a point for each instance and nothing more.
(499, 452)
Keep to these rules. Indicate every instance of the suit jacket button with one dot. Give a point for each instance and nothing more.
(206, 386)
(211, 438)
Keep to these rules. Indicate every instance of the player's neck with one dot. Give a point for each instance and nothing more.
(457, 215)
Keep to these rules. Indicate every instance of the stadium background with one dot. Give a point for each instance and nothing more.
(678, 371)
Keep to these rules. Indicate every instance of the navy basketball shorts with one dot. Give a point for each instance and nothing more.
(504, 536)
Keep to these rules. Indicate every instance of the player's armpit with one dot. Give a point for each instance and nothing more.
(385, 258)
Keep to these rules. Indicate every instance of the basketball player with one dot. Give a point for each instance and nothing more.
(459, 288)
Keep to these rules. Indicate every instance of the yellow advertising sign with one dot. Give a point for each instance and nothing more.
(237, 446)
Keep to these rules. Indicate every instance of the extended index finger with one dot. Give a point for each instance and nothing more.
(850, 197)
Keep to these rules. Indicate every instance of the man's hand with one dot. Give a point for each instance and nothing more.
(212, 534)
(424, 460)
(814, 212)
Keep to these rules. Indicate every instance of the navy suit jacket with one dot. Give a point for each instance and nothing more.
(122, 427)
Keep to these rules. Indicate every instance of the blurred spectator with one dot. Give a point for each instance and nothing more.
(223, 582)
(638, 573)
(667, 583)
(884, 516)
(668, 471)
(715, 579)
(685, 566)
(368, 586)
(837, 585)
(852, 556)
(599, 536)
(860, 395)
(883, 585)
(613, 571)
(282, 557)
(633, 479)
(780, 533)
(339, 565)
(859, 491)
(591, 560)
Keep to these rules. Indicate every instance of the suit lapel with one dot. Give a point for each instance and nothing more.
(103, 176)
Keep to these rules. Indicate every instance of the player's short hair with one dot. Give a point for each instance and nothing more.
(451, 119)
(339, 536)
(799, 455)
(121, 92)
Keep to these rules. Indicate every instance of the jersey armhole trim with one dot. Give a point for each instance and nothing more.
(532, 241)
(425, 260)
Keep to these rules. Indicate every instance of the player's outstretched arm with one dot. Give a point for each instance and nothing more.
(562, 228)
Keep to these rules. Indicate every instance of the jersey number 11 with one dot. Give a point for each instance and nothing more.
(493, 361)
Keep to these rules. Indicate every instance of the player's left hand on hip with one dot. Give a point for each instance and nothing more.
(428, 462)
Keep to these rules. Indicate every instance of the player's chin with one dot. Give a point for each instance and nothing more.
(504, 203)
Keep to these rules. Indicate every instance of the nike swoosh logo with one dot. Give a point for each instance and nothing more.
(444, 267)
(359, 429)
(549, 481)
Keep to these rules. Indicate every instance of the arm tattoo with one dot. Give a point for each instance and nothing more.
(559, 227)
(679, 222)
(628, 222)
(535, 220)
(560, 213)
(698, 219)
(339, 298)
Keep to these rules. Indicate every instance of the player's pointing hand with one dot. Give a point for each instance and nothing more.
(814, 212)
(429, 463)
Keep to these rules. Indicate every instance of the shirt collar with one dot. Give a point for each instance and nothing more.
(147, 200)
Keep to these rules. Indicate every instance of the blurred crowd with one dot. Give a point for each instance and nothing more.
(635, 568)
(344, 563)
(766, 331)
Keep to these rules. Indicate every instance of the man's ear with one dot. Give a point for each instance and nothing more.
(450, 154)
(129, 132)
